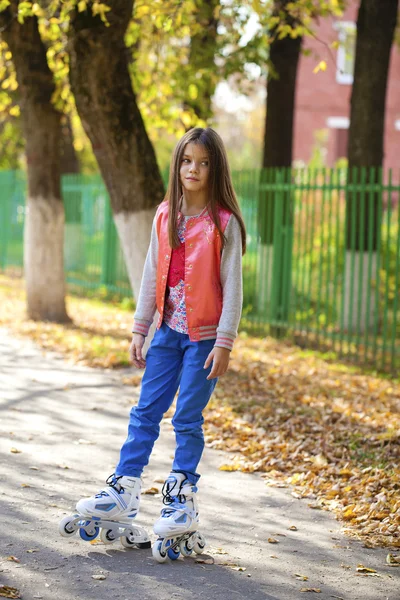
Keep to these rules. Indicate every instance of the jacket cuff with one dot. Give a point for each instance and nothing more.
(141, 326)
(224, 340)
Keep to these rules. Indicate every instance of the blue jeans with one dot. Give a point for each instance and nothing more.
(172, 361)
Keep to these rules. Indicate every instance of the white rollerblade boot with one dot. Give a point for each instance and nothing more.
(178, 524)
(112, 510)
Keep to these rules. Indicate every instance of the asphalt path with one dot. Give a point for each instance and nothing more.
(61, 427)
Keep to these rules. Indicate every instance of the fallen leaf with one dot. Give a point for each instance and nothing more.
(33, 550)
(362, 569)
(301, 577)
(25, 485)
(206, 561)
(7, 591)
(13, 559)
(151, 491)
(293, 528)
(273, 556)
(231, 467)
(316, 590)
(99, 577)
(15, 451)
(393, 560)
(34, 468)
(135, 380)
(273, 540)
(238, 568)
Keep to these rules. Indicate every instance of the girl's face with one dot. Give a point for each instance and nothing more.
(194, 169)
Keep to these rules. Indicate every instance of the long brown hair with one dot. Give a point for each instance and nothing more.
(220, 188)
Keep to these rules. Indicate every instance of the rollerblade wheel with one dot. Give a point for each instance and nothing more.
(65, 528)
(184, 548)
(173, 553)
(199, 544)
(107, 536)
(88, 537)
(128, 540)
(158, 554)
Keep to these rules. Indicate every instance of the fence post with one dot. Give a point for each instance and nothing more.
(74, 242)
(282, 254)
(109, 247)
(8, 187)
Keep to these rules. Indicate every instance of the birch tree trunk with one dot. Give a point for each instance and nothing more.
(44, 221)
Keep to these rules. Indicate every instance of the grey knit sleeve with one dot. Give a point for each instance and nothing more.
(146, 303)
(232, 288)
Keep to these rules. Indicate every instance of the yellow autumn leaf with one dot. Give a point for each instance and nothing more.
(321, 66)
(151, 491)
(6, 591)
(362, 569)
(232, 467)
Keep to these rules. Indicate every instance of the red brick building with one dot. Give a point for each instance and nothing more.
(323, 98)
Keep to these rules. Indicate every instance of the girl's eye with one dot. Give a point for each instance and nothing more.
(185, 160)
(205, 162)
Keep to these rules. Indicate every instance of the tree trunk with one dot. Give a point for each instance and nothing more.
(109, 113)
(44, 222)
(68, 158)
(281, 87)
(74, 237)
(203, 47)
(376, 24)
(276, 221)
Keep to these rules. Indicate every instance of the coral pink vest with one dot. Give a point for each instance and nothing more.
(203, 290)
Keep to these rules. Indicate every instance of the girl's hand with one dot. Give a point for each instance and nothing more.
(220, 359)
(135, 351)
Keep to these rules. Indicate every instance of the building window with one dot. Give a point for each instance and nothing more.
(346, 51)
(340, 127)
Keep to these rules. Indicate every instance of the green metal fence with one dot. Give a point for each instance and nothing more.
(323, 259)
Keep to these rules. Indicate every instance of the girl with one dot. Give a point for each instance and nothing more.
(193, 275)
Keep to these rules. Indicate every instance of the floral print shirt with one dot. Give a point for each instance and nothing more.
(175, 309)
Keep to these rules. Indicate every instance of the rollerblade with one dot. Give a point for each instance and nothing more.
(110, 513)
(178, 523)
